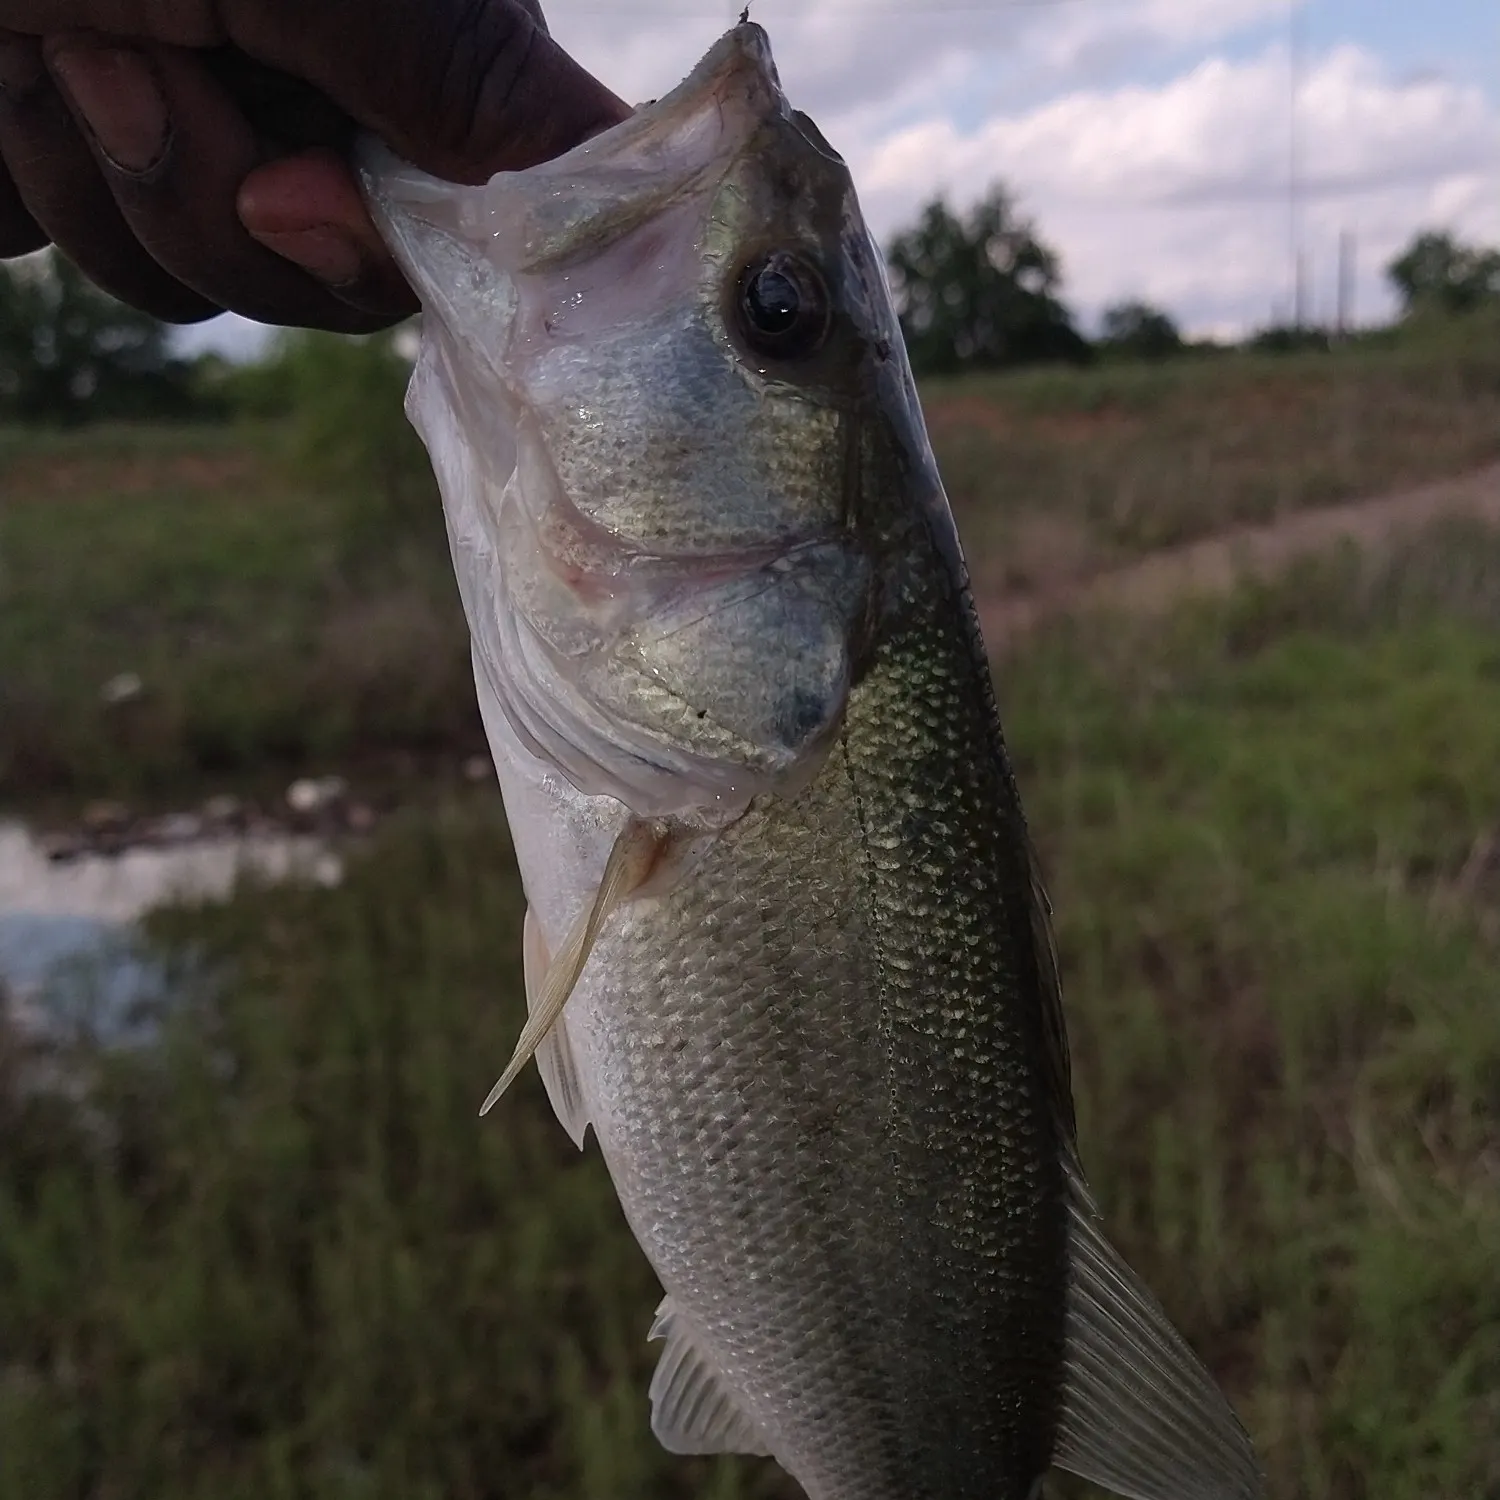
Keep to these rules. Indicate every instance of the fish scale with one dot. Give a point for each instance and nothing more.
(786, 954)
(793, 976)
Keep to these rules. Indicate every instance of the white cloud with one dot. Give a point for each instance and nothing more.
(1220, 131)
(1090, 39)
(1178, 191)
(843, 54)
(1148, 137)
(1173, 190)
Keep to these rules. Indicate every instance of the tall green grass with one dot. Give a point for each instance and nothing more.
(1274, 834)
(1054, 474)
(275, 622)
(278, 1255)
(284, 589)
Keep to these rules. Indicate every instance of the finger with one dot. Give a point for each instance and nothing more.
(178, 191)
(183, 23)
(19, 232)
(51, 170)
(293, 205)
(462, 88)
(307, 191)
(533, 8)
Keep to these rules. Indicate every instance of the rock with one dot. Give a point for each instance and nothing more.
(121, 688)
(105, 817)
(478, 768)
(61, 847)
(303, 796)
(359, 817)
(224, 811)
(313, 795)
(178, 828)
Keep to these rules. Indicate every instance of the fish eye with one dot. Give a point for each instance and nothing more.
(783, 306)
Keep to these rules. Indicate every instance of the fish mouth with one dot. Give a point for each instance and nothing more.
(736, 80)
(734, 91)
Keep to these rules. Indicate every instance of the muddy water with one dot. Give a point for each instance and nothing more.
(67, 942)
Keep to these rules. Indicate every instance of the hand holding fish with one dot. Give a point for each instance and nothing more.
(191, 156)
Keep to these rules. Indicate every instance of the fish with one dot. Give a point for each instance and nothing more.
(787, 952)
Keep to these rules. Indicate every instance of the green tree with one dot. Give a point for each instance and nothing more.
(71, 353)
(980, 292)
(1140, 331)
(335, 403)
(1437, 273)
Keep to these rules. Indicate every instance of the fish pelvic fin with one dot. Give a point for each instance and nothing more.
(692, 1408)
(630, 865)
(554, 1054)
(1141, 1415)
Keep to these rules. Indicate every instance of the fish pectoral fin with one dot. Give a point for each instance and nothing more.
(629, 866)
(1140, 1413)
(692, 1409)
(554, 1053)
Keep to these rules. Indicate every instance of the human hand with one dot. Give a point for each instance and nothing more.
(192, 156)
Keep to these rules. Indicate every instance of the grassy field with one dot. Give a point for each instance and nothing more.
(277, 1255)
(1056, 474)
(282, 621)
(276, 625)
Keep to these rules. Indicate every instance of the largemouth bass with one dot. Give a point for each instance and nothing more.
(786, 952)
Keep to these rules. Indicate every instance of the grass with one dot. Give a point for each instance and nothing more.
(276, 624)
(1274, 832)
(277, 1255)
(280, 1254)
(1054, 475)
(288, 615)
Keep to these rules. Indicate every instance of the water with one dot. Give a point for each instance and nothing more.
(68, 942)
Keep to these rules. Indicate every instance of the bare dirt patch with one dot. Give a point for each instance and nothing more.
(994, 419)
(1215, 564)
(54, 478)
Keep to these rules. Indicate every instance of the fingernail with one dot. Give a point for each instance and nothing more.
(116, 93)
(322, 251)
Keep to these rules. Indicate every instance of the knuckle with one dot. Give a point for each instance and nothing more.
(482, 68)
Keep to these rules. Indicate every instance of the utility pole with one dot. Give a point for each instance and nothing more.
(1294, 158)
(1346, 282)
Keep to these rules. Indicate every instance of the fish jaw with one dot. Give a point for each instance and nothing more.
(624, 580)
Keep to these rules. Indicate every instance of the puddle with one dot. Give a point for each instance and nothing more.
(67, 937)
(116, 888)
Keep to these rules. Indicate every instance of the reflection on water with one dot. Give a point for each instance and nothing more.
(121, 887)
(66, 929)
(63, 972)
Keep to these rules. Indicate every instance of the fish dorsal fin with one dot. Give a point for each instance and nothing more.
(692, 1410)
(554, 1053)
(628, 868)
(1141, 1415)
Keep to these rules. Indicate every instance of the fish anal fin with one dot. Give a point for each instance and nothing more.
(692, 1409)
(1141, 1415)
(554, 1054)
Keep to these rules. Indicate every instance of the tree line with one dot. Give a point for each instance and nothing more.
(978, 290)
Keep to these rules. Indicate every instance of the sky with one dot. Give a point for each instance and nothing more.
(1150, 141)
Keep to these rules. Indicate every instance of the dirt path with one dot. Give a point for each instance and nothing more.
(1216, 563)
